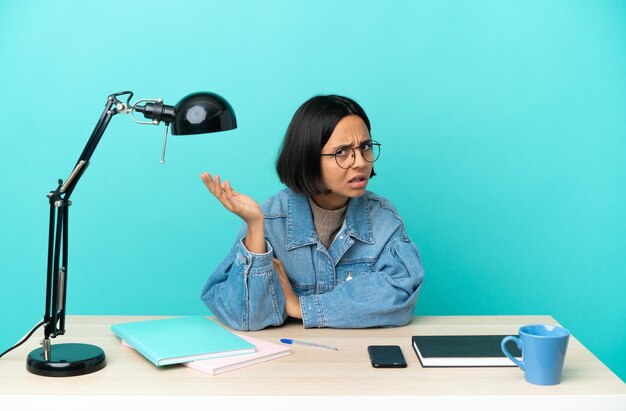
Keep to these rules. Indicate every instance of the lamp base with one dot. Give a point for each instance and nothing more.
(66, 360)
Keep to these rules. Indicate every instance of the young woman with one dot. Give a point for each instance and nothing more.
(324, 250)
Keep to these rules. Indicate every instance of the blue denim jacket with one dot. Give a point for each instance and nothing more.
(370, 276)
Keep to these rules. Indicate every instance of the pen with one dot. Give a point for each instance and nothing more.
(290, 341)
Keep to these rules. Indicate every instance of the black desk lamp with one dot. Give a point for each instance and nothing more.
(195, 114)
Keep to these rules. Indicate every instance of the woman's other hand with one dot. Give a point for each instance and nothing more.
(292, 303)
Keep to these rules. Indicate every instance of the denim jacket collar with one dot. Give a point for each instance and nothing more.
(301, 230)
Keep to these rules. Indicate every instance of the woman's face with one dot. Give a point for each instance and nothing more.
(344, 183)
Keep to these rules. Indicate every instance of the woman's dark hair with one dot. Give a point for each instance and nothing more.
(298, 163)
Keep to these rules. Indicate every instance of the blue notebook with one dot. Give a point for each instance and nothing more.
(181, 339)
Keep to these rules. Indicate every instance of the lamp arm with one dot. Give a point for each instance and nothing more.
(56, 280)
(113, 106)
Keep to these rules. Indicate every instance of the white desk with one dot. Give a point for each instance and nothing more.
(319, 376)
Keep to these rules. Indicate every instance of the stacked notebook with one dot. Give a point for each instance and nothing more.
(463, 351)
(195, 342)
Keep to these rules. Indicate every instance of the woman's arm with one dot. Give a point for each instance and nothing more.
(382, 298)
(243, 291)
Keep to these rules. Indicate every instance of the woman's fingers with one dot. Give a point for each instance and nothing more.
(212, 183)
(282, 276)
(216, 188)
(230, 195)
(239, 204)
(278, 265)
(208, 182)
(292, 303)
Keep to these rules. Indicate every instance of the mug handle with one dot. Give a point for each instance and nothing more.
(508, 354)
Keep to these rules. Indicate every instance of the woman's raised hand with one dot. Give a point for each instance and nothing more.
(239, 204)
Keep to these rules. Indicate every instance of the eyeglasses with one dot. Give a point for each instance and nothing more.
(345, 156)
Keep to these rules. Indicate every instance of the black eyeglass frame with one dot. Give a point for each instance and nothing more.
(372, 143)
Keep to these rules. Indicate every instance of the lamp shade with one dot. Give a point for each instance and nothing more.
(203, 112)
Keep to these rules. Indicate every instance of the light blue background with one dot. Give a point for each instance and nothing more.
(503, 126)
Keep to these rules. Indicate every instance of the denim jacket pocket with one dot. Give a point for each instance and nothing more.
(349, 270)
